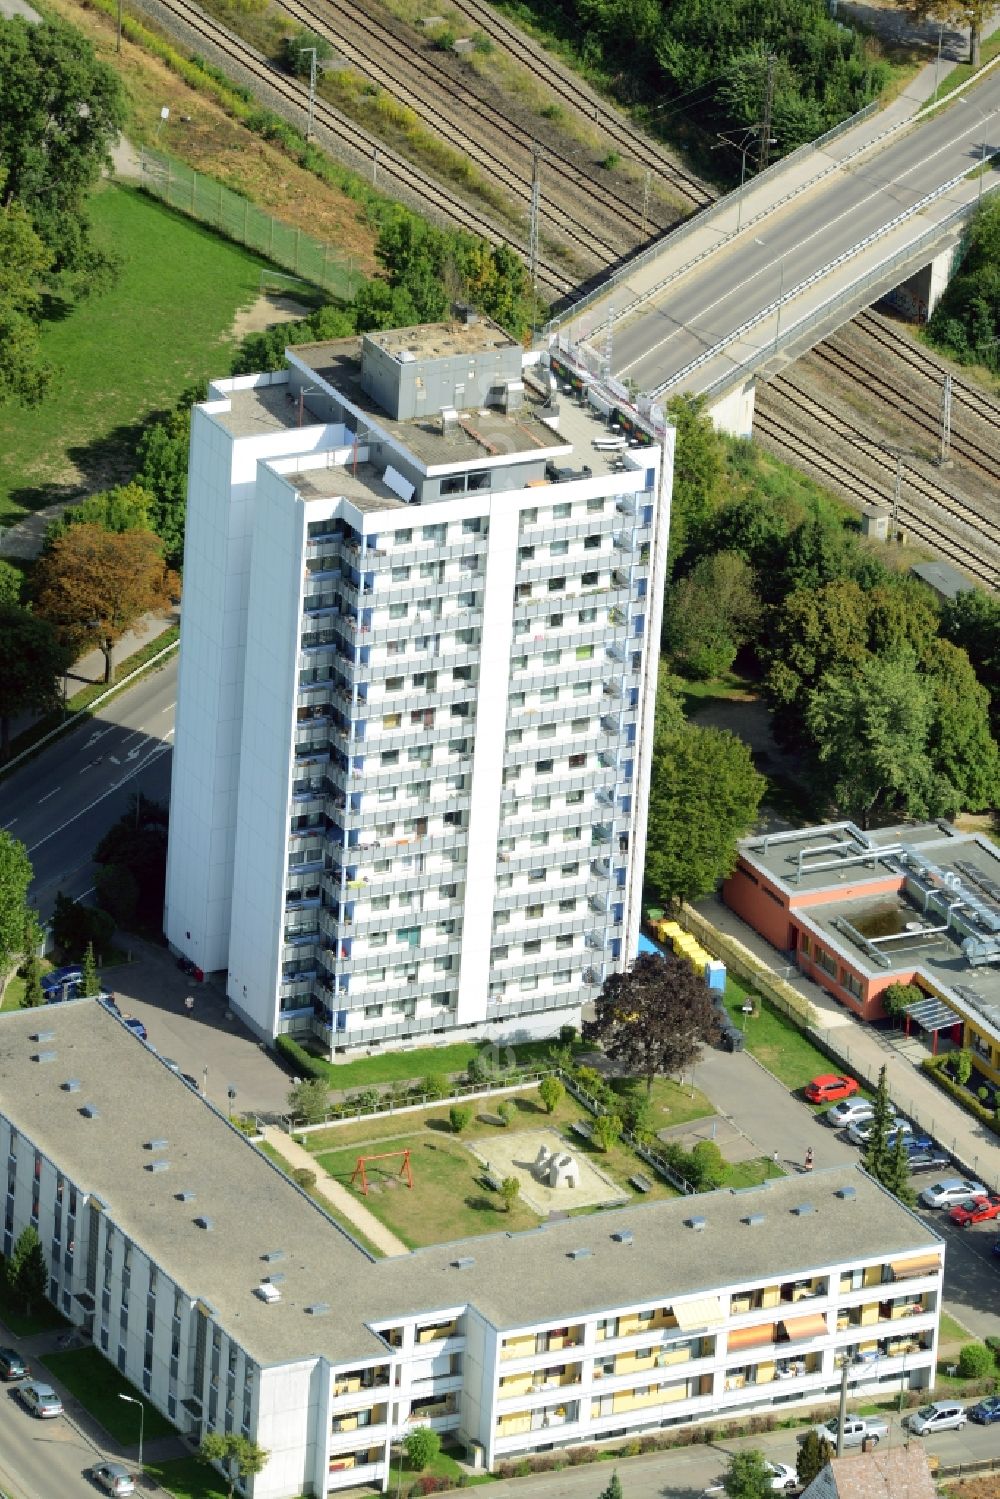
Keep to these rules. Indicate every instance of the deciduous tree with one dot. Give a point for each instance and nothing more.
(24, 261)
(27, 1272)
(31, 968)
(421, 1447)
(235, 1452)
(93, 586)
(699, 466)
(32, 661)
(295, 51)
(653, 1018)
(127, 507)
(710, 614)
(309, 1099)
(703, 796)
(510, 1189)
(972, 13)
(550, 1091)
(748, 1476)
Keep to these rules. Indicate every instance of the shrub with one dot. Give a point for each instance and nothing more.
(937, 1068)
(304, 1178)
(478, 1070)
(435, 1086)
(459, 1116)
(993, 1344)
(301, 1061)
(976, 1361)
(310, 1099)
(510, 1189)
(421, 1447)
(709, 1163)
(506, 1111)
(551, 1091)
(961, 1066)
(606, 1131)
(611, 161)
(567, 1033)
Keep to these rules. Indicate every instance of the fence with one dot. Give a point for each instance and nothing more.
(209, 202)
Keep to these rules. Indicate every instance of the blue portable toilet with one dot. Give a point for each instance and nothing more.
(715, 975)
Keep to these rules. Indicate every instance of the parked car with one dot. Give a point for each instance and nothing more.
(12, 1365)
(783, 1476)
(986, 1412)
(945, 1194)
(849, 1111)
(829, 1087)
(40, 1399)
(113, 1478)
(857, 1429)
(975, 1210)
(61, 979)
(930, 1159)
(942, 1415)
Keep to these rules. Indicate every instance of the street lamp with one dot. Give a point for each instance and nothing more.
(982, 159)
(131, 1400)
(749, 139)
(312, 89)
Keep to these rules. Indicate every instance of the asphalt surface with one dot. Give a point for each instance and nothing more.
(817, 227)
(60, 803)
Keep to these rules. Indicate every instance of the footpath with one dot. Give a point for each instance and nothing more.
(337, 1195)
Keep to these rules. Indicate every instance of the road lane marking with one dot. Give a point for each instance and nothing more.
(168, 707)
(8, 824)
(115, 786)
(48, 794)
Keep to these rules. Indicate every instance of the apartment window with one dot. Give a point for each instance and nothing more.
(400, 574)
(526, 986)
(387, 793)
(536, 876)
(569, 871)
(581, 689)
(519, 663)
(589, 580)
(580, 725)
(473, 523)
(826, 961)
(378, 939)
(429, 570)
(398, 611)
(533, 913)
(532, 949)
(555, 621)
(561, 512)
(505, 881)
(574, 798)
(595, 507)
(543, 767)
(587, 616)
(541, 803)
(577, 762)
(558, 548)
(539, 840)
(591, 543)
(529, 515)
(549, 694)
(562, 976)
(557, 585)
(585, 653)
(547, 731)
(567, 905)
(454, 484)
(435, 533)
(525, 554)
(564, 940)
(402, 538)
(551, 658)
(467, 601)
(373, 1012)
(850, 982)
(380, 902)
(393, 684)
(391, 720)
(390, 757)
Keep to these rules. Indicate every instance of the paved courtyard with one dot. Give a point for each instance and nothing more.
(514, 1154)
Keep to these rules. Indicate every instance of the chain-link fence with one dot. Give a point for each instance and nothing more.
(209, 202)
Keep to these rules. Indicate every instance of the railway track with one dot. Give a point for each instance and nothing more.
(577, 96)
(596, 217)
(898, 398)
(882, 332)
(953, 538)
(394, 168)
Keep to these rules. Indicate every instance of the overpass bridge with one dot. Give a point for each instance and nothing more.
(759, 277)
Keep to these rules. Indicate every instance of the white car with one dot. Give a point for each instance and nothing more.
(849, 1111)
(951, 1191)
(943, 1415)
(861, 1133)
(782, 1477)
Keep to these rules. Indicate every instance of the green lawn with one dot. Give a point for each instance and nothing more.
(426, 1061)
(97, 1384)
(189, 1478)
(162, 326)
(774, 1040)
(444, 1465)
(22, 1324)
(322, 1202)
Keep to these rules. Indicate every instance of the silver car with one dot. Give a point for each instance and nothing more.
(849, 1111)
(951, 1191)
(942, 1415)
(40, 1399)
(113, 1479)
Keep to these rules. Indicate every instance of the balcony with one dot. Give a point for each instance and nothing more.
(345, 1430)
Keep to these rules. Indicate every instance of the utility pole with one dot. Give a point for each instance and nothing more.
(765, 124)
(609, 340)
(536, 152)
(312, 90)
(647, 179)
(118, 34)
(945, 458)
(842, 1413)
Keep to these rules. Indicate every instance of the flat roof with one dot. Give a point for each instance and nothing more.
(255, 1210)
(482, 434)
(442, 340)
(257, 409)
(360, 483)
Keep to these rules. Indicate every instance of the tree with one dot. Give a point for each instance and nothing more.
(60, 111)
(878, 1149)
(614, 1488)
(606, 1131)
(309, 1099)
(127, 507)
(15, 876)
(74, 925)
(31, 968)
(510, 1190)
(459, 1116)
(709, 1164)
(506, 1111)
(972, 13)
(421, 1447)
(703, 796)
(748, 1475)
(32, 660)
(131, 862)
(976, 1361)
(699, 465)
(961, 1066)
(162, 459)
(897, 997)
(235, 1451)
(896, 1175)
(653, 1018)
(294, 52)
(27, 1272)
(550, 1091)
(961, 743)
(814, 1454)
(710, 614)
(972, 620)
(91, 986)
(24, 260)
(872, 730)
(93, 586)
(10, 577)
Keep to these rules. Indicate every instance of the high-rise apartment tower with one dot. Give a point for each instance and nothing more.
(422, 605)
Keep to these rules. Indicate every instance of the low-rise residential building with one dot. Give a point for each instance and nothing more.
(225, 1294)
(857, 911)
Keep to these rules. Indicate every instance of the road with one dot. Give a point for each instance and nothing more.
(823, 222)
(60, 803)
(39, 1459)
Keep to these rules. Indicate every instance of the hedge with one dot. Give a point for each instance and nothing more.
(304, 1063)
(935, 1069)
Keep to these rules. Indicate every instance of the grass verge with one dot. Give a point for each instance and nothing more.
(43, 1318)
(189, 1478)
(426, 1061)
(442, 1466)
(774, 1040)
(97, 1385)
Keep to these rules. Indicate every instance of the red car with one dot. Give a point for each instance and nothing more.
(830, 1087)
(975, 1210)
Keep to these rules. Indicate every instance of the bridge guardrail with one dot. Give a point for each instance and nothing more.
(700, 219)
(775, 307)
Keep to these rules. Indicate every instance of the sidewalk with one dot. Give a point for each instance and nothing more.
(865, 1050)
(337, 1195)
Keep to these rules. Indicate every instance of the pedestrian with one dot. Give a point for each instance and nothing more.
(809, 1158)
(189, 1004)
(775, 1158)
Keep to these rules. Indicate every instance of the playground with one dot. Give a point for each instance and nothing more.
(516, 1153)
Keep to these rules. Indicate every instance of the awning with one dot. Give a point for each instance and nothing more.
(750, 1337)
(797, 1329)
(694, 1314)
(923, 1264)
(932, 1015)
